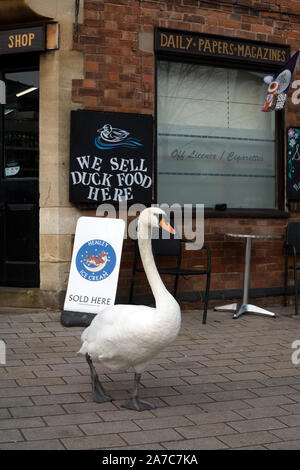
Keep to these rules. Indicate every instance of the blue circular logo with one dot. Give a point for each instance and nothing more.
(95, 260)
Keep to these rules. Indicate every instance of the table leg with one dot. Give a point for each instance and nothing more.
(245, 307)
(247, 270)
(229, 308)
(248, 308)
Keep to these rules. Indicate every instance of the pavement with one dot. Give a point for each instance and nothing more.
(229, 384)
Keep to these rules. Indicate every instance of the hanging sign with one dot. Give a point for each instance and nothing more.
(27, 39)
(95, 264)
(111, 157)
(293, 163)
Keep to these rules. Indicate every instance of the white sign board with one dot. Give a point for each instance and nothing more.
(95, 264)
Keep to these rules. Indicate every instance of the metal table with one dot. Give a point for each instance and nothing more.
(245, 307)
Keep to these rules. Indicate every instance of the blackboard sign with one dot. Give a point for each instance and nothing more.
(111, 157)
(293, 163)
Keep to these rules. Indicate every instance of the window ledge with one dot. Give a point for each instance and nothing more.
(246, 214)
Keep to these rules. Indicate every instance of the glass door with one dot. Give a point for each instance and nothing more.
(19, 195)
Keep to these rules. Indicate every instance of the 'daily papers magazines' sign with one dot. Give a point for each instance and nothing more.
(209, 45)
(95, 264)
(110, 157)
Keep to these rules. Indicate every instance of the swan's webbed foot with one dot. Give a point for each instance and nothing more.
(97, 389)
(134, 403)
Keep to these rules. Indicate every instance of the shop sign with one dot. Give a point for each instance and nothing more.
(206, 45)
(216, 150)
(111, 157)
(95, 264)
(293, 164)
(15, 41)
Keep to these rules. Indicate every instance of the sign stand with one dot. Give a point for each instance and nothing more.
(76, 318)
(94, 269)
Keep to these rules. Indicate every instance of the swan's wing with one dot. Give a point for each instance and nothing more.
(126, 335)
(117, 324)
(122, 336)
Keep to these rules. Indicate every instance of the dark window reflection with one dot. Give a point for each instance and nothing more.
(21, 125)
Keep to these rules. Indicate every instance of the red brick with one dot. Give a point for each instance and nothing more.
(89, 83)
(91, 66)
(91, 14)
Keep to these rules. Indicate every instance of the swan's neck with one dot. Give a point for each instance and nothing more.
(158, 288)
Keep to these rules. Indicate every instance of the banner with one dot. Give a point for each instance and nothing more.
(279, 87)
(95, 264)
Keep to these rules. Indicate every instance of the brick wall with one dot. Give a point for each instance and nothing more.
(115, 40)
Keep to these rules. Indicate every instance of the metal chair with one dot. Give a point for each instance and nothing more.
(173, 247)
(292, 247)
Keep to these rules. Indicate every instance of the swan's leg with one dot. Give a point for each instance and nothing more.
(98, 391)
(134, 403)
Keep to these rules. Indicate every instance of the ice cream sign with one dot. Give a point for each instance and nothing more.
(95, 264)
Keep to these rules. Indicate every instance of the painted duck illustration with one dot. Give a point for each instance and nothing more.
(112, 134)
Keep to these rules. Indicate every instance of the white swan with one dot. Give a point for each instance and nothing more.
(124, 336)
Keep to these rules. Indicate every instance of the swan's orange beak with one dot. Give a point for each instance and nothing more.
(166, 226)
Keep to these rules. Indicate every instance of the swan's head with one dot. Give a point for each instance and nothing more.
(154, 217)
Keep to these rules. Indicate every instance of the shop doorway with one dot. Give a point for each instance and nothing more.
(19, 183)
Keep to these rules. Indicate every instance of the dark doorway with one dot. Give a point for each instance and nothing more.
(19, 184)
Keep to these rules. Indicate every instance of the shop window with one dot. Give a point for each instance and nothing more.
(214, 144)
(21, 125)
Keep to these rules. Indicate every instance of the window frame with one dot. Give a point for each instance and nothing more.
(278, 212)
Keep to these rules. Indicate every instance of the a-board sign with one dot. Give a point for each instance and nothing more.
(110, 157)
(95, 264)
(293, 163)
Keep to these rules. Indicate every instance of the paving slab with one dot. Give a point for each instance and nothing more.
(229, 384)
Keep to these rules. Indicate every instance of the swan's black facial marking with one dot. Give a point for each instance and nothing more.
(161, 220)
(158, 218)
